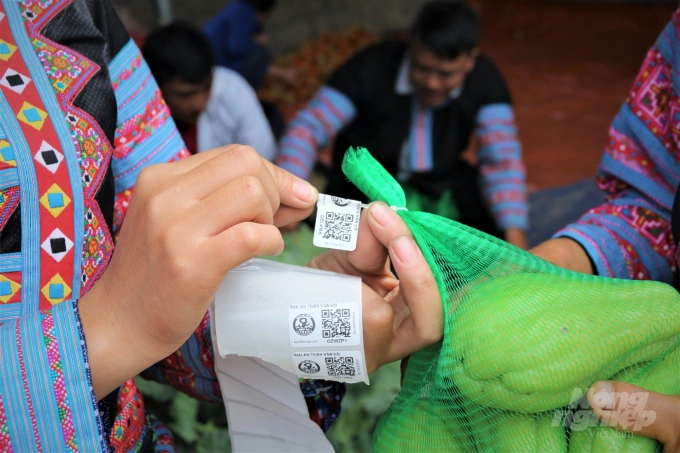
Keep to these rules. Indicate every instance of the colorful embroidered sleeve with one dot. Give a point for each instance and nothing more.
(313, 129)
(629, 236)
(145, 132)
(324, 400)
(192, 368)
(46, 397)
(501, 166)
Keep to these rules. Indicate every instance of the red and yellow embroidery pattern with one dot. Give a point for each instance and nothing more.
(69, 72)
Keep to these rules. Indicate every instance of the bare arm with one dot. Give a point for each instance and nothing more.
(565, 253)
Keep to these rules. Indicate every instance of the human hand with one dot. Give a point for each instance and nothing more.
(517, 237)
(399, 316)
(659, 418)
(290, 228)
(188, 224)
(289, 75)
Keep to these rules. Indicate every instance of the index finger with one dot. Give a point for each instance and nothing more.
(297, 196)
(226, 165)
(295, 192)
(191, 162)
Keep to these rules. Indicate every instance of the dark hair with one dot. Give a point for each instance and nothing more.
(262, 6)
(447, 28)
(181, 51)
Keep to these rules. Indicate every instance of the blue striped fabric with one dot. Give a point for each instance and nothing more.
(158, 141)
(9, 177)
(661, 190)
(629, 236)
(39, 378)
(77, 372)
(12, 391)
(420, 138)
(599, 233)
(23, 344)
(10, 262)
(501, 166)
(313, 129)
(10, 312)
(161, 147)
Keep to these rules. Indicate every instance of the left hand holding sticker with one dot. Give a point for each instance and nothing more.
(399, 316)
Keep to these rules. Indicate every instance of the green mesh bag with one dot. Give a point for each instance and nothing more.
(523, 340)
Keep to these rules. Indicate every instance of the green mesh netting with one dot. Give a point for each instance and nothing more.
(523, 340)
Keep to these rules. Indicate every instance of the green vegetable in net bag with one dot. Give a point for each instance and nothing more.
(523, 341)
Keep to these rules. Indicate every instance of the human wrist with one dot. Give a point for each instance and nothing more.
(566, 253)
(116, 345)
(516, 237)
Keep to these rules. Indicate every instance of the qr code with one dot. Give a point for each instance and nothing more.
(340, 366)
(338, 226)
(335, 323)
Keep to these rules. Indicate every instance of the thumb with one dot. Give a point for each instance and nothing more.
(632, 409)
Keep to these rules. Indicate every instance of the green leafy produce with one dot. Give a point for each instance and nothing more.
(522, 338)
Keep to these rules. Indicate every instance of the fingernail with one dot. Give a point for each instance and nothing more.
(280, 251)
(382, 214)
(603, 395)
(305, 191)
(405, 249)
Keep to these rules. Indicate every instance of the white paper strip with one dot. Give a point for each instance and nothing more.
(306, 321)
(265, 408)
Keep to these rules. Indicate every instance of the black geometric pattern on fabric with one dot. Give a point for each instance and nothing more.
(49, 157)
(91, 28)
(10, 235)
(58, 245)
(76, 28)
(106, 196)
(15, 80)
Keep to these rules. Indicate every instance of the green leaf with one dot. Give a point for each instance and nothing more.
(362, 407)
(159, 392)
(213, 440)
(184, 410)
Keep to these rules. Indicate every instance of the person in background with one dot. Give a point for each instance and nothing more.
(211, 105)
(634, 234)
(415, 106)
(82, 176)
(237, 37)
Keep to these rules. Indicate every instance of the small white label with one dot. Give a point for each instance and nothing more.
(324, 324)
(344, 366)
(337, 223)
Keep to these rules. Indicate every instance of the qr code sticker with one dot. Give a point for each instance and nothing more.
(336, 323)
(338, 226)
(340, 366)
